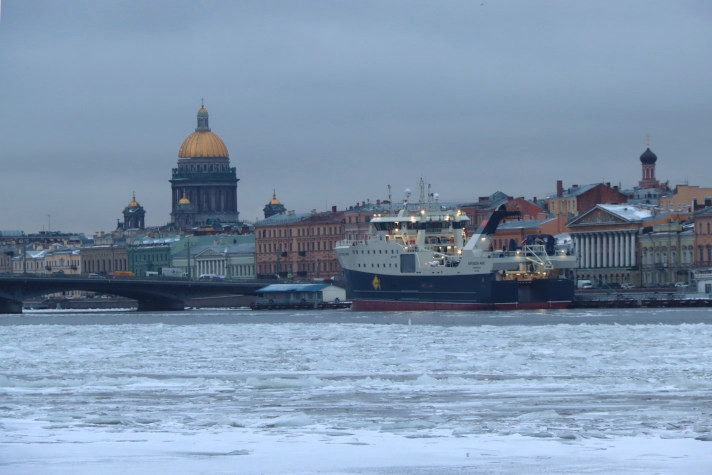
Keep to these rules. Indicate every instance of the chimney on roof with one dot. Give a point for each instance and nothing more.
(559, 188)
(333, 209)
(378, 202)
(608, 184)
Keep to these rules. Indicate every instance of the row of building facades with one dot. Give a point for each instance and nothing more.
(645, 245)
(649, 235)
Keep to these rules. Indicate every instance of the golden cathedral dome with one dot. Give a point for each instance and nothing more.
(203, 143)
(274, 200)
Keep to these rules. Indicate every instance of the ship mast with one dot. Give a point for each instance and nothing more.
(390, 201)
(421, 185)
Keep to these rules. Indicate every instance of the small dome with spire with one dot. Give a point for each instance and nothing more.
(184, 200)
(648, 157)
(274, 206)
(134, 203)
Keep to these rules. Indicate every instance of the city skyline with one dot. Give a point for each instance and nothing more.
(328, 103)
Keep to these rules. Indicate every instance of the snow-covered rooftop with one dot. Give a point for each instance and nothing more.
(627, 211)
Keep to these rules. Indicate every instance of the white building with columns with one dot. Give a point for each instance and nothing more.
(605, 242)
(228, 256)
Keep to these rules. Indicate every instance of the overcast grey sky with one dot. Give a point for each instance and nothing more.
(329, 102)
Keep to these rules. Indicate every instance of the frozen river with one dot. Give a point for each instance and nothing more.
(232, 391)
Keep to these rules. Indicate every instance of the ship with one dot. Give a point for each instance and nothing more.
(419, 257)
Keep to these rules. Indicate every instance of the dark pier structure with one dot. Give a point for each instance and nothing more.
(639, 299)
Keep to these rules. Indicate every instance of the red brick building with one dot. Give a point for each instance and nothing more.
(573, 201)
(478, 212)
(299, 246)
(703, 237)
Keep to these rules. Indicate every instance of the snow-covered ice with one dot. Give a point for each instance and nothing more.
(221, 391)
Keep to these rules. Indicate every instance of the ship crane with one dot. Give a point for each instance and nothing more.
(536, 253)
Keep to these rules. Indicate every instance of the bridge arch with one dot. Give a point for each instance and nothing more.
(151, 294)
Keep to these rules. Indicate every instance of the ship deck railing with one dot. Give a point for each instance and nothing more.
(359, 242)
(351, 242)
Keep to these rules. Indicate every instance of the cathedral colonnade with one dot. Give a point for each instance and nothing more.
(605, 249)
(216, 266)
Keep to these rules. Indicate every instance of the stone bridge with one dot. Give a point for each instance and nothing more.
(151, 294)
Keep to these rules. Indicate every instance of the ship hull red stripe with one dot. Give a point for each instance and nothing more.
(532, 305)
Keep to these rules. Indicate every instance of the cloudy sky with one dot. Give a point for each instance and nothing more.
(329, 102)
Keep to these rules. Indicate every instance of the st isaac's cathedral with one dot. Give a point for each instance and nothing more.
(204, 186)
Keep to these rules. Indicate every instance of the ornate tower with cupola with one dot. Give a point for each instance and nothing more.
(647, 160)
(274, 206)
(134, 215)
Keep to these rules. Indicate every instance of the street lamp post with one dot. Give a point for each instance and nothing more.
(190, 273)
(24, 255)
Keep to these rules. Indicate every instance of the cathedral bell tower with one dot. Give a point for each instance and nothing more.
(647, 160)
(134, 215)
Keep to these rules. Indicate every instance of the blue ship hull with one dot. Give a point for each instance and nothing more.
(461, 292)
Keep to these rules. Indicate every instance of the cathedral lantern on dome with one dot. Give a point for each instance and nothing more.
(203, 186)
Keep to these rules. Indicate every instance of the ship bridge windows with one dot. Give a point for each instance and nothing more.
(433, 226)
(385, 225)
(442, 239)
